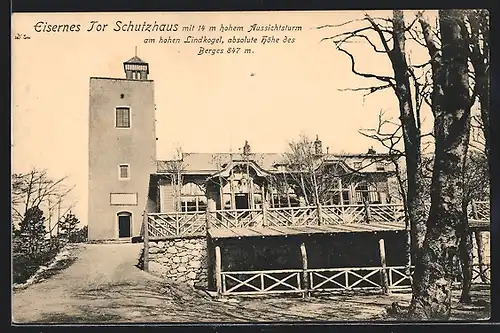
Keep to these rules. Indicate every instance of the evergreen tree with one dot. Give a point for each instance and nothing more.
(32, 233)
(69, 227)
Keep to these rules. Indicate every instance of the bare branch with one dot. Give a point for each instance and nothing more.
(384, 78)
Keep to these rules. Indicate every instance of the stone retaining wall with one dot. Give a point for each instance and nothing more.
(181, 260)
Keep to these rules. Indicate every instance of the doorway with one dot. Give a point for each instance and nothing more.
(241, 201)
(124, 224)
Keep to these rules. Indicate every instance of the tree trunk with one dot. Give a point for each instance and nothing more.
(411, 136)
(466, 258)
(434, 271)
(480, 58)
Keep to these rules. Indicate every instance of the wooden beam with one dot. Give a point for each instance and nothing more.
(383, 272)
(480, 254)
(264, 204)
(218, 270)
(305, 276)
(146, 242)
(231, 186)
(367, 211)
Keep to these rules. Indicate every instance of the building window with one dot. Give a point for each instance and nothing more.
(124, 171)
(122, 117)
(366, 193)
(380, 166)
(193, 198)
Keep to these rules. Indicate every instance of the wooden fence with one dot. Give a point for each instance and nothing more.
(319, 280)
(185, 224)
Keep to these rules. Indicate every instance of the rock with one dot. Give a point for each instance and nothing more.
(190, 246)
(172, 249)
(184, 259)
(154, 250)
(195, 263)
(191, 275)
(161, 244)
(181, 268)
(156, 268)
(176, 259)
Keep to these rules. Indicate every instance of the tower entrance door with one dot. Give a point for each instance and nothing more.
(124, 224)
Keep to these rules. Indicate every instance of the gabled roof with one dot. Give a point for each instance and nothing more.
(227, 170)
(135, 60)
(210, 163)
(213, 162)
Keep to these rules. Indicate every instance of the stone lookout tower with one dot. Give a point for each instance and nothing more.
(122, 151)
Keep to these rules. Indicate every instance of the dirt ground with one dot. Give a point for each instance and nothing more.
(103, 285)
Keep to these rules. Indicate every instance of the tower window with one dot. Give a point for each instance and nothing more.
(123, 117)
(124, 171)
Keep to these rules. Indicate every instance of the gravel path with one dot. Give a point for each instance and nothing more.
(104, 285)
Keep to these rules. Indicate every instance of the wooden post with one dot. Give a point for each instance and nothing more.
(146, 241)
(480, 254)
(305, 277)
(383, 273)
(479, 242)
(320, 216)
(367, 211)
(250, 193)
(231, 186)
(264, 206)
(341, 193)
(221, 193)
(218, 270)
(208, 223)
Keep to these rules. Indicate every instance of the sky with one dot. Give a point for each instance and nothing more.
(205, 103)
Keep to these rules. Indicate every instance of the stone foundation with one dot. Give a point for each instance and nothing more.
(181, 260)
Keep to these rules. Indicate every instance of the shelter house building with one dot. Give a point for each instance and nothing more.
(300, 221)
(125, 176)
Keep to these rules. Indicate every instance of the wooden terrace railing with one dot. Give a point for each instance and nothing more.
(320, 280)
(185, 224)
(176, 224)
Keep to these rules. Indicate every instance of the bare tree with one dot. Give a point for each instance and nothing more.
(302, 164)
(479, 41)
(37, 189)
(476, 188)
(390, 39)
(174, 168)
(390, 139)
(447, 222)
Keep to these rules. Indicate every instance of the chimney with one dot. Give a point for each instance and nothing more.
(318, 146)
(246, 148)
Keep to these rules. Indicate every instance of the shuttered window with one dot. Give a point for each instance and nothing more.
(124, 171)
(123, 117)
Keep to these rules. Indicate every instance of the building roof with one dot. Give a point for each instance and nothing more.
(209, 163)
(305, 230)
(135, 60)
(213, 162)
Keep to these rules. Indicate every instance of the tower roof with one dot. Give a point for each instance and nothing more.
(135, 60)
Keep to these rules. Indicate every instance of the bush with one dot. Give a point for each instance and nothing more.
(26, 263)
